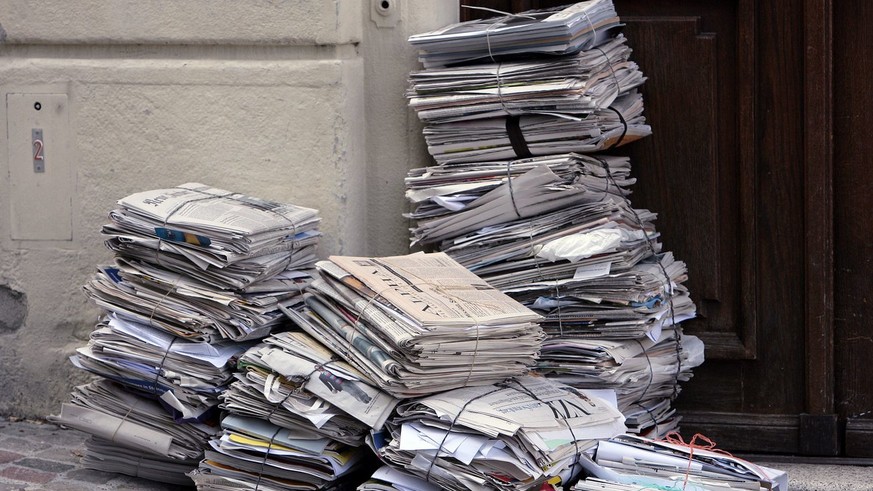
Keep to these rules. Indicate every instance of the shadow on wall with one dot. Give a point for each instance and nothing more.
(13, 309)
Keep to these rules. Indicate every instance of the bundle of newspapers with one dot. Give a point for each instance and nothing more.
(295, 382)
(519, 434)
(204, 263)
(227, 239)
(297, 420)
(557, 31)
(255, 454)
(200, 274)
(418, 324)
(512, 118)
(502, 107)
(630, 463)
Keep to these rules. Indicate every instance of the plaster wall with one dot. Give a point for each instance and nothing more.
(300, 101)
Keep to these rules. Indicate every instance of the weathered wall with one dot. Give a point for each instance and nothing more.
(297, 100)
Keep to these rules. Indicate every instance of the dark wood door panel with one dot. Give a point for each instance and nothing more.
(722, 170)
(757, 308)
(853, 222)
(695, 171)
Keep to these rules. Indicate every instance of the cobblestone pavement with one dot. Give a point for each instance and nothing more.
(42, 456)
(36, 455)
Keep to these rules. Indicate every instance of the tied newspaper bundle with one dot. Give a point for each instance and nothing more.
(174, 323)
(630, 463)
(418, 324)
(295, 382)
(476, 207)
(227, 239)
(554, 230)
(255, 454)
(298, 418)
(557, 31)
(204, 263)
(525, 433)
(502, 107)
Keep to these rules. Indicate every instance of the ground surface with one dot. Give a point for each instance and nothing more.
(43, 456)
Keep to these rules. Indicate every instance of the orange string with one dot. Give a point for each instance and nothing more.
(708, 444)
(676, 439)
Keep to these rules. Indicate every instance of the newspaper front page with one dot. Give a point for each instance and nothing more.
(435, 290)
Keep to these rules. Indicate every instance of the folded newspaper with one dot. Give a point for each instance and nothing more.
(418, 324)
(579, 84)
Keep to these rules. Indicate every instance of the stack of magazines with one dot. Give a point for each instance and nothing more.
(200, 274)
(516, 108)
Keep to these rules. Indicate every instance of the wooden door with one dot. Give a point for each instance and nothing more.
(740, 169)
(853, 222)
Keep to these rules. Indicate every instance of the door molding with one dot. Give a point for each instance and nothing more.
(818, 211)
(818, 172)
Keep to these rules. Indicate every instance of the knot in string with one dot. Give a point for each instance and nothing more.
(698, 441)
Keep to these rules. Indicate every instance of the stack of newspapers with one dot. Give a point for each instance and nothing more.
(419, 324)
(558, 234)
(497, 106)
(523, 433)
(558, 31)
(630, 463)
(205, 263)
(377, 334)
(200, 274)
(516, 109)
(372, 331)
(298, 417)
(252, 453)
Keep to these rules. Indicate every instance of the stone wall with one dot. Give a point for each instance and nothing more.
(299, 101)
